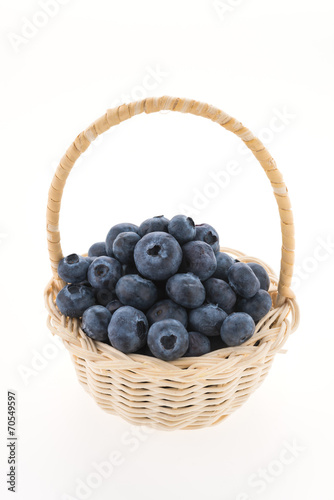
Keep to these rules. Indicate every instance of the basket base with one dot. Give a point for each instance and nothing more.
(185, 414)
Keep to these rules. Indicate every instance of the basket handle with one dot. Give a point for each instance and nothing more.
(151, 105)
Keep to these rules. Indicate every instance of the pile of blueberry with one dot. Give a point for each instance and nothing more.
(164, 289)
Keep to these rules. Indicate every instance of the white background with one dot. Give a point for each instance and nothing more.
(256, 60)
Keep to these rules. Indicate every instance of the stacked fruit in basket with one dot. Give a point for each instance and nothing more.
(164, 289)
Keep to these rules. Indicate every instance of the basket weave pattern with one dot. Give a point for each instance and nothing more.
(188, 393)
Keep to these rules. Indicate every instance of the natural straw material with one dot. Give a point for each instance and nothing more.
(189, 392)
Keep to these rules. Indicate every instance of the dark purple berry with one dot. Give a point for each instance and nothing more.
(261, 275)
(104, 272)
(243, 280)
(158, 256)
(97, 249)
(129, 269)
(199, 259)
(73, 268)
(220, 293)
(133, 290)
(114, 305)
(224, 262)
(168, 339)
(257, 307)
(104, 296)
(206, 233)
(73, 300)
(182, 228)
(124, 227)
(167, 309)
(158, 223)
(186, 290)
(217, 343)
(95, 321)
(207, 319)
(124, 247)
(199, 344)
(237, 329)
(127, 330)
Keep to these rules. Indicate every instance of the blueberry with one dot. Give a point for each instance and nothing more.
(161, 287)
(90, 259)
(104, 296)
(243, 280)
(124, 227)
(73, 268)
(158, 223)
(114, 305)
(186, 290)
(168, 339)
(257, 307)
(104, 272)
(220, 293)
(97, 249)
(261, 275)
(207, 319)
(133, 290)
(129, 269)
(144, 351)
(124, 246)
(237, 329)
(198, 344)
(85, 283)
(73, 300)
(206, 233)
(217, 343)
(199, 259)
(95, 321)
(224, 262)
(158, 256)
(182, 228)
(127, 330)
(167, 309)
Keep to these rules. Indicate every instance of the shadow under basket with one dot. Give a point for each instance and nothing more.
(188, 393)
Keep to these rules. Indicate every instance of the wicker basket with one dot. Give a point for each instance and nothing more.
(188, 393)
